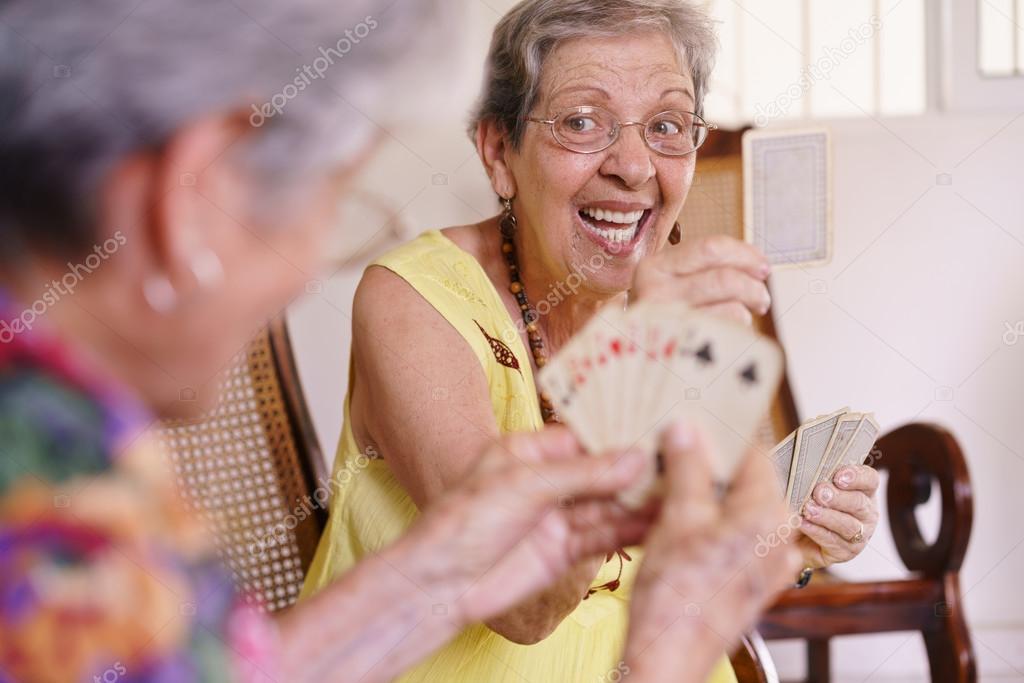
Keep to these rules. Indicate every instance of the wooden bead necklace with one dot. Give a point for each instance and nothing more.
(529, 313)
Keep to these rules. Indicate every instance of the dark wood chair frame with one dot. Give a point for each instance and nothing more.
(929, 601)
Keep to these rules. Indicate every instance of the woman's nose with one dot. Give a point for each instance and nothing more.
(629, 158)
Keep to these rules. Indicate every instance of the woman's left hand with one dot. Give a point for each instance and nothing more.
(840, 518)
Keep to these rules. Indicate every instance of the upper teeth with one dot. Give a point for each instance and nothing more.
(627, 218)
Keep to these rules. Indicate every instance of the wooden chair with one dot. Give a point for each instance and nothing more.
(252, 469)
(915, 456)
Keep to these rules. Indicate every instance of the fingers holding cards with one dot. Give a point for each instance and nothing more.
(820, 448)
(629, 374)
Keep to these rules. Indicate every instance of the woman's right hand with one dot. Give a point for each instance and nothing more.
(707, 574)
(719, 274)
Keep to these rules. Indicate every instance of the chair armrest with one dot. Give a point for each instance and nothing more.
(752, 662)
(914, 455)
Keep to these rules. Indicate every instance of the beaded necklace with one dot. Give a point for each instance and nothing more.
(540, 356)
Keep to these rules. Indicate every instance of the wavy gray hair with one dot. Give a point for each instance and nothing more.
(83, 83)
(531, 30)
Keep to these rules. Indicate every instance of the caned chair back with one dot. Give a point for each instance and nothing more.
(253, 471)
(715, 207)
(253, 468)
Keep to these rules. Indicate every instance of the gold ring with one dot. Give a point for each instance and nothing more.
(859, 536)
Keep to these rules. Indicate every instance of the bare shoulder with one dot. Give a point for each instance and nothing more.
(480, 240)
(385, 303)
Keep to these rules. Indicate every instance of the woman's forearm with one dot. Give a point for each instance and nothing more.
(370, 625)
(537, 618)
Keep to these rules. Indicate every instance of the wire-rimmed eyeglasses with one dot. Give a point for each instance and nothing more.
(589, 130)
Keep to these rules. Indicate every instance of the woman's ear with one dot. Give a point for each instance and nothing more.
(494, 149)
(194, 180)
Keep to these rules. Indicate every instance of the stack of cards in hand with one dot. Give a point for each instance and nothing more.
(818, 448)
(628, 374)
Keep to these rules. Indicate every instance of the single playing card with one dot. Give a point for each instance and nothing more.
(844, 431)
(787, 195)
(782, 460)
(724, 378)
(862, 442)
(812, 439)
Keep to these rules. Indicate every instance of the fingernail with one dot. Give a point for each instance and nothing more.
(845, 478)
(680, 435)
(765, 270)
(825, 495)
(811, 510)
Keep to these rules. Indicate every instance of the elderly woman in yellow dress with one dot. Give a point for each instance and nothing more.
(103, 574)
(588, 127)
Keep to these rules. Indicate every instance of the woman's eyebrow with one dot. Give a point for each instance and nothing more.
(682, 91)
(581, 88)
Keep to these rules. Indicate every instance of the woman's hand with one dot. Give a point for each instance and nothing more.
(705, 577)
(718, 273)
(533, 507)
(840, 518)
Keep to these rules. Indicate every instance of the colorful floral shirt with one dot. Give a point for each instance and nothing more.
(104, 576)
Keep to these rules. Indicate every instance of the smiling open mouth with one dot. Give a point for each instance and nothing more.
(618, 228)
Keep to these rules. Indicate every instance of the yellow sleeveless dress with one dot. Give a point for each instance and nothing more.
(371, 509)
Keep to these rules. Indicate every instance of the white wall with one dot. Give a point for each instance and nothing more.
(908, 321)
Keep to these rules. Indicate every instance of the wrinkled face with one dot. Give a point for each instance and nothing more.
(600, 214)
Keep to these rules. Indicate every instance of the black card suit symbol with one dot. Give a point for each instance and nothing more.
(705, 353)
(750, 374)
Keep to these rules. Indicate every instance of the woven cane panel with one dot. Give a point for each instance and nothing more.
(715, 207)
(239, 470)
(715, 203)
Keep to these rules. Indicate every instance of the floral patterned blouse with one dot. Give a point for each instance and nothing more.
(103, 574)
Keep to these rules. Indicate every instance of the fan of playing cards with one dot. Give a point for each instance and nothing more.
(818, 448)
(628, 374)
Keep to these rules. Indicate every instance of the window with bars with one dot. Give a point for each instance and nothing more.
(802, 59)
(1001, 38)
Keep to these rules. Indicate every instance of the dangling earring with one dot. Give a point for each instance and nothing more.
(676, 235)
(159, 293)
(207, 268)
(507, 224)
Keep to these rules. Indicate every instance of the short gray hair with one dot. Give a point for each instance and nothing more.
(527, 35)
(85, 82)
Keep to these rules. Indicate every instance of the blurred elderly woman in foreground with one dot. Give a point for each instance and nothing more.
(150, 222)
(588, 127)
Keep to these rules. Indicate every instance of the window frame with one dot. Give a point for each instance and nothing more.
(962, 85)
